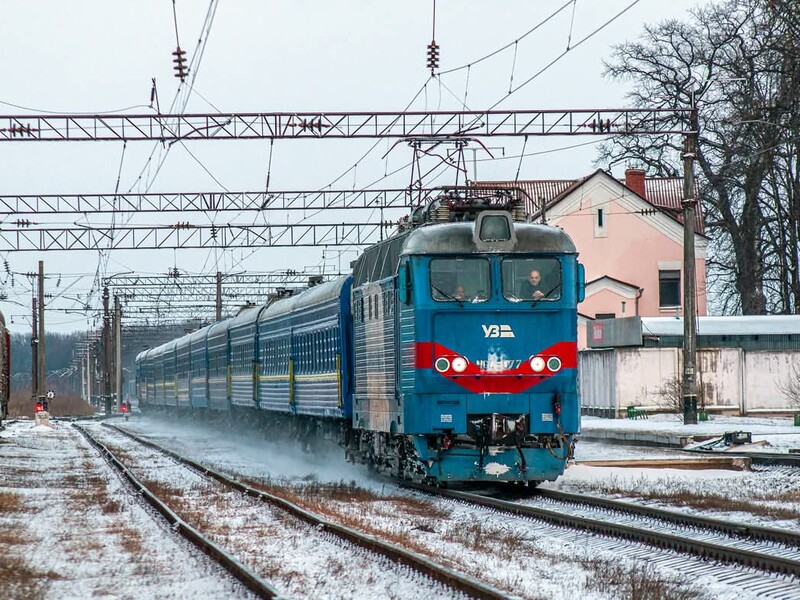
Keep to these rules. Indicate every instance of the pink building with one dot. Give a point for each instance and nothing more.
(630, 238)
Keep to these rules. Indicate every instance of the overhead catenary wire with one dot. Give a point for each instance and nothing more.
(571, 22)
(566, 51)
(72, 112)
(357, 163)
(194, 65)
(507, 46)
(355, 166)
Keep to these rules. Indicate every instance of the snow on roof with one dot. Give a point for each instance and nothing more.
(738, 325)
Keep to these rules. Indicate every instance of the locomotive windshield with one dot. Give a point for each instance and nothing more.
(531, 279)
(460, 279)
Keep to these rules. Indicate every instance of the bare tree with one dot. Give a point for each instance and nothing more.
(738, 62)
(670, 396)
(790, 387)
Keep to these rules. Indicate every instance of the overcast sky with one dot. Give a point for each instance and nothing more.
(93, 57)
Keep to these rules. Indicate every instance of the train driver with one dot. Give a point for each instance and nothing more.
(533, 287)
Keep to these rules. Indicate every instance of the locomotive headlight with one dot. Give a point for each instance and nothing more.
(459, 364)
(554, 363)
(442, 364)
(537, 364)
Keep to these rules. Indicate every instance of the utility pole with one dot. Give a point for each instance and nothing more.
(689, 204)
(84, 397)
(106, 353)
(219, 296)
(118, 349)
(42, 386)
(89, 374)
(35, 353)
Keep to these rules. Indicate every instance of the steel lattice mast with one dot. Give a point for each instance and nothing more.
(316, 125)
(187, 235)
(42, 204)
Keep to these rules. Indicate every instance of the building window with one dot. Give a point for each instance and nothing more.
(669, 288)
(600, 223)
(605, 316)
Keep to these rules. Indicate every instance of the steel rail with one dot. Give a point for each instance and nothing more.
(453, 579)
(766, 534)
(241, 572)
(713, 551)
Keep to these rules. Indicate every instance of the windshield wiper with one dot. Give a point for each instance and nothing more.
(550, 291)
(448, 296)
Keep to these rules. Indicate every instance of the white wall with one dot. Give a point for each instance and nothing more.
(731, 379)
(765, 371)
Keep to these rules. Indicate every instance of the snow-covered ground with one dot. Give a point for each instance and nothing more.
(70, 530)
(43, 469)
(294, 557)
(766, 496)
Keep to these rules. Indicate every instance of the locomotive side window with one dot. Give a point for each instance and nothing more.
(531, 279)
(460, 279)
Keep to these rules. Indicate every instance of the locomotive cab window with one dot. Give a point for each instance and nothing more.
(460, 279)
(531, 279)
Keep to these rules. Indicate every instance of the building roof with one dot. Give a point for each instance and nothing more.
(633, 286)
(774, 332)
(664, 193)
(735, 326)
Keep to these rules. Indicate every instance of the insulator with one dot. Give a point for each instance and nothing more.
(181, 70)
(442, 214)
(433, 55)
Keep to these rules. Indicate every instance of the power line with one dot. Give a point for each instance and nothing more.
(510, 44)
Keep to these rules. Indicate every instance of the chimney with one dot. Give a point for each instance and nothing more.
(634, 179)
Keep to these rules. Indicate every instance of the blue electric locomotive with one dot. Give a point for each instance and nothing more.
(462, 370)
(442, 358)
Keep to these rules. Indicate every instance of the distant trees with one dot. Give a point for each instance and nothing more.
(738, 61)
(58, 356)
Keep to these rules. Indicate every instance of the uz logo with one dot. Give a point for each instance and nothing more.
(494, 331)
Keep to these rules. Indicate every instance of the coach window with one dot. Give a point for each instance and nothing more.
(460, 279)
(531, 279)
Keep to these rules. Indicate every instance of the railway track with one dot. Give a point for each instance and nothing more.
(762, 558)
(771, 535)
(457, 582)
(241, 572)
